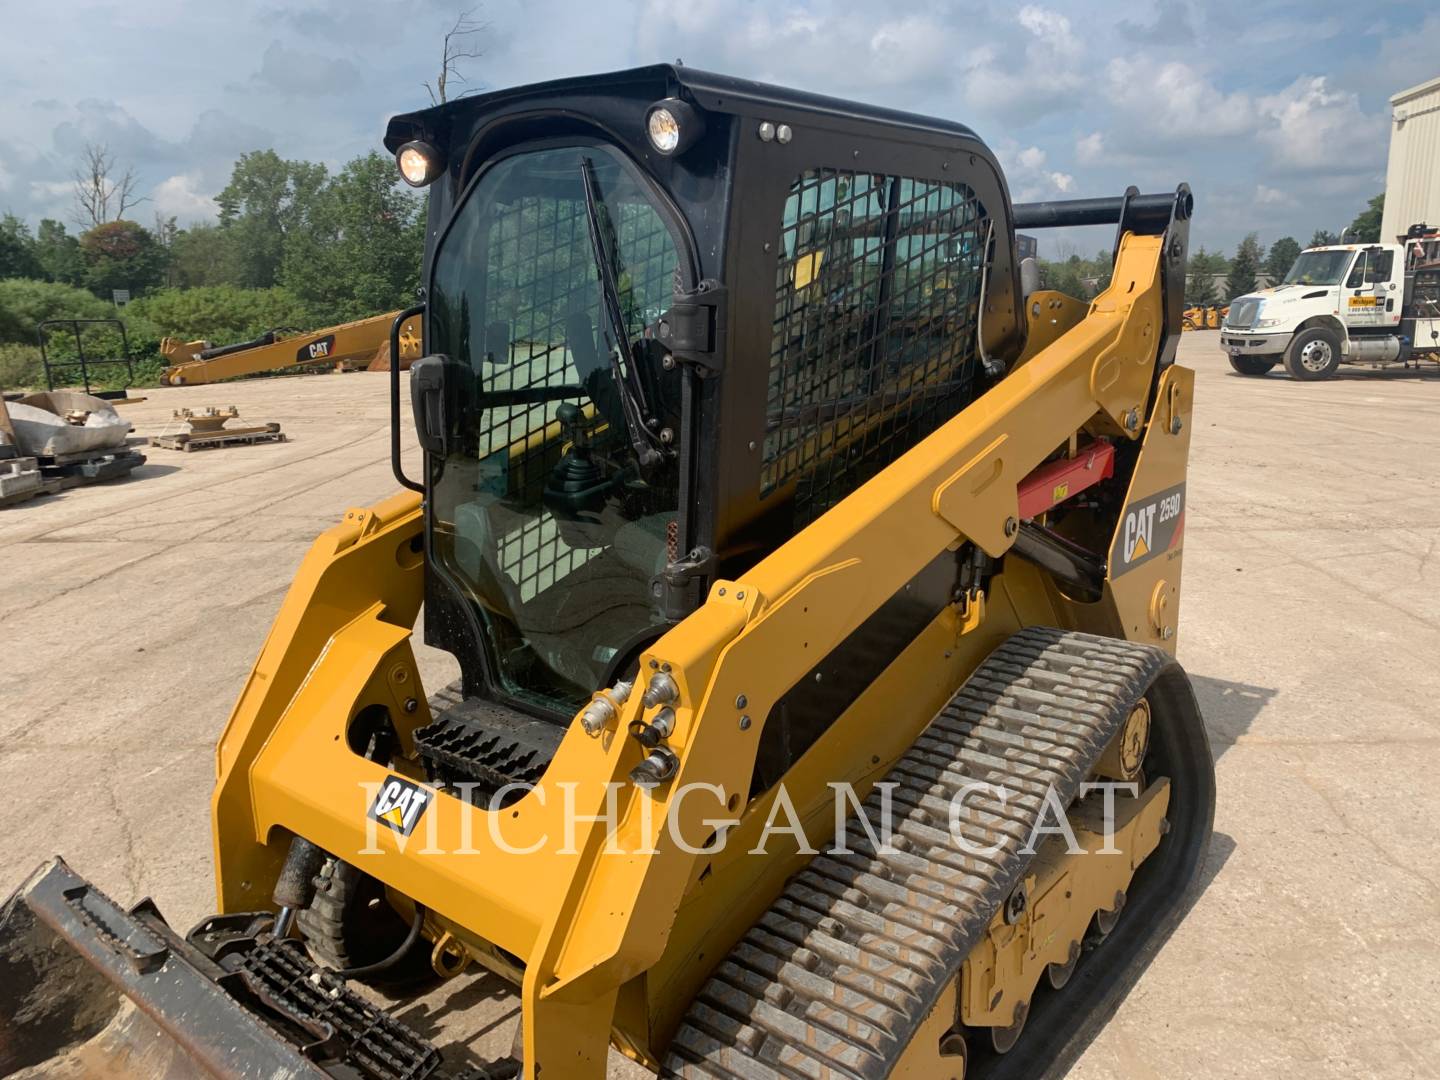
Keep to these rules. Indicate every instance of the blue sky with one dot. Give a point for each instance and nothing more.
(1277, 114)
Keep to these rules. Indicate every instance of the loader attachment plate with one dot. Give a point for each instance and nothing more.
(87, 987)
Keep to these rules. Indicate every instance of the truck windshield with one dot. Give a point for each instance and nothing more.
(1319, 268)
(542, 513)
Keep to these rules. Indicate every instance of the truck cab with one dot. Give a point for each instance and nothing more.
(1346, 303)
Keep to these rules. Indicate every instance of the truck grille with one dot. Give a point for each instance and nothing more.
(1242, 314)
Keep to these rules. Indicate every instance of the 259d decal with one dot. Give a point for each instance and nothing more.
(1149, 527)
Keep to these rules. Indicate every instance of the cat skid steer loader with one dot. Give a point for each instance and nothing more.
(814, 590)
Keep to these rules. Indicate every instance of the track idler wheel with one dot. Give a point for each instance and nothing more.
(1105, 920)
(1057, 975)
(1004, 1039)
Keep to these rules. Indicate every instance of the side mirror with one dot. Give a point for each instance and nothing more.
(433, 398)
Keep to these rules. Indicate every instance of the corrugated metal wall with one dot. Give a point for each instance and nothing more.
(1412, 178)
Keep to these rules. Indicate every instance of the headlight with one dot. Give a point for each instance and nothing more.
(420, 163)
(673, 126)
(1261, 324)
(664, 130)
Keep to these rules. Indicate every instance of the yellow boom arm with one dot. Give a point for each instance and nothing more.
(359, 340)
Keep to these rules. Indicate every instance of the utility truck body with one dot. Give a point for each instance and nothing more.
(1347, 303)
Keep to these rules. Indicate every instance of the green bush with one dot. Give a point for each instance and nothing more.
(20, 367)
(25, 303)
(221, 314)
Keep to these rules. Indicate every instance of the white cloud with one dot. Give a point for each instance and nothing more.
(1269, 196)
(179, 197)
(1032, 157)
(1051, 28)
(824, 46)
(1090, 149)
(1043, 74)
(1172, 99)
(1030, 179)
(1309, 125)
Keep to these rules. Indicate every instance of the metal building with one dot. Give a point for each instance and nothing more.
(1412, 178)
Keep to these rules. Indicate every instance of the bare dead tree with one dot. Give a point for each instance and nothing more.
(460, 44)
(98, 193)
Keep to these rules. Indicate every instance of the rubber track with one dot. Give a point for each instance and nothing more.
(837, 975)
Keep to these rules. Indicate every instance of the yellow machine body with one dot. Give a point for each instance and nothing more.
(610, 948)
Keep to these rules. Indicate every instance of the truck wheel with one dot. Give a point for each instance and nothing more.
(1252, 365)
(1313, 354)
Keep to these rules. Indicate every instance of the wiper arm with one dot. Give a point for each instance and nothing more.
(617, 337)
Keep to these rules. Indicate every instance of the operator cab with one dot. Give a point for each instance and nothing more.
(671, 319)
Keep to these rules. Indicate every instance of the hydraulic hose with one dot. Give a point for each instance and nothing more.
(395, 957)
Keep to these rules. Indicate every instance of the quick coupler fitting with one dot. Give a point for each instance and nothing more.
(604, 707)
(659, 765)
(652, 734)
(660, 690)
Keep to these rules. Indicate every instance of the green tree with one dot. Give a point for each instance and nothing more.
(1365, 229)
(222, 314)
(24, 304)
(204, 254)
(59, 253)
(1243, 268)
(1200, 291)
(1323, 238)
(266, 203)
(1066, 276)
(121, 255)
(20, 367)
(17, 250)
(1281, 257)
(1104, 268)
(359, 254)
(1204, 267)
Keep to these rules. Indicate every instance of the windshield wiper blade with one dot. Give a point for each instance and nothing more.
(617, 337)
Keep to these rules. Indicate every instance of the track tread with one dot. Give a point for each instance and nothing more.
(834, 978)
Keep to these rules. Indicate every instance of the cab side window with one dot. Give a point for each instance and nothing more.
(1357, 273)
(876, 327)
(1378, 267)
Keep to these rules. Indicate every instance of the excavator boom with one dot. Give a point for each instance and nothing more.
(197, 362)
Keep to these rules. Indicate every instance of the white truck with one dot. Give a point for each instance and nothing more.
(1348, 303)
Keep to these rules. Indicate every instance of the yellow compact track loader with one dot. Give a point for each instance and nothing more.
(814, 591)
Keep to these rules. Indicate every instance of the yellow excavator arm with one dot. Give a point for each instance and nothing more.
(193, 362)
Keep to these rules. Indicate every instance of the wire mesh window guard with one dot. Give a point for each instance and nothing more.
(874, 342)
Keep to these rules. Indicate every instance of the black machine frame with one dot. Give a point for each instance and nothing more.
(83, 362)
